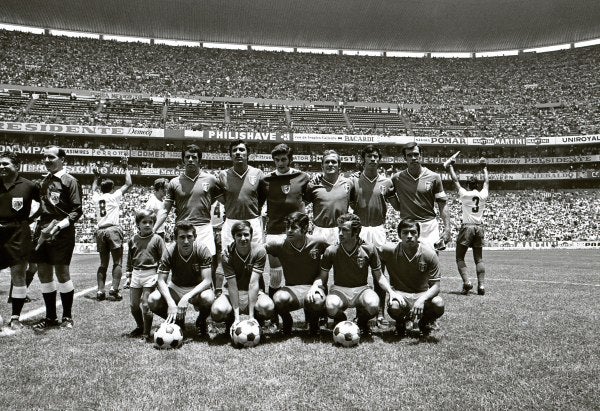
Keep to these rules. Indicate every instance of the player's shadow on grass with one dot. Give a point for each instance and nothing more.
(411, 338)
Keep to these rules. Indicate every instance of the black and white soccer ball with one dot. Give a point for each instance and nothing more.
(168, 336)
(346, 334)
(246, 333)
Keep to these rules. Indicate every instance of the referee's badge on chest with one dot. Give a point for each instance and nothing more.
(252, 180)
(347, 187)
(422, 266)
(286, 188)
(428, 185)
(205, 187)
(17, 203)
(54, 197)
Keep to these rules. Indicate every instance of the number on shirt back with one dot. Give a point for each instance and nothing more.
(102, 207)
(476, 201)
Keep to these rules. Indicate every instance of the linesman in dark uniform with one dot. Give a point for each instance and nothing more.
(60, 208)
(16, 195)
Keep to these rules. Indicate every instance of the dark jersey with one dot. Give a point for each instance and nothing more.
(193, 198)
(330, 200)
(284, 196)
(185, 272)
(350, 269)
(144, 252)
(15, 201)
(243, 194)
(60, 198)
(413, 275)
(300, 266)
(241, 268)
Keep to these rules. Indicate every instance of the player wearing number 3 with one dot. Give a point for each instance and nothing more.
(109, 235)
(471, 232)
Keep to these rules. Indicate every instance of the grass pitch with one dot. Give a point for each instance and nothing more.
(530, 343)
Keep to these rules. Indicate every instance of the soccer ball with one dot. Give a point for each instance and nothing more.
(246, 333)
(168, 336)
(346, 334)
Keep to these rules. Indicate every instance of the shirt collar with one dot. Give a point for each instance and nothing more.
(58, 174)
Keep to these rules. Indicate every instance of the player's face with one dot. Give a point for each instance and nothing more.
(294, 232)
(282, 163)
(331, 164)
(145, 226)
(160, 193)
(51, 159)
(239, 153)
(7, 168)
(191, 161)
(243, 238)
(372, 160)
(185, 241)
(345, 232)
(410, 237)
(413, 156)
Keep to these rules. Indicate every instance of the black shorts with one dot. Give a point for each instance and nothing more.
(109, 238)
(57, 251)
(15, 244)
(471, 235)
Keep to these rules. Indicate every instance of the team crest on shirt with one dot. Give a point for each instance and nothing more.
(422, 266)
(17, 203)
(361, 261)
(54, 197)
(347, 187)
(286, 188)
(314, 254)
(252, 180)
(196, 268)
(205, 187)
(428, 185)
(383, 190)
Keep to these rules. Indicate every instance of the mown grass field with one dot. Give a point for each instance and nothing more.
(530, 343)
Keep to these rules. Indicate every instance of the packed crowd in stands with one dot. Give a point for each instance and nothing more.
(532, 95)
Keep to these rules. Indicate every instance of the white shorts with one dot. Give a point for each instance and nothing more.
(180, 291)
(348, 295)
(243, 299)
(227, 238)
(373, 235)
(143, 278)
(206, 236)
(430, 232)
(329, 234)
(276, 238)
(298, 292)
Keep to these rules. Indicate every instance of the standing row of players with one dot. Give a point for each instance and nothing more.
(244, 189)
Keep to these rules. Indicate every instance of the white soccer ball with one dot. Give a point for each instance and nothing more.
(168, 336)
(346, 334)
(246, 333)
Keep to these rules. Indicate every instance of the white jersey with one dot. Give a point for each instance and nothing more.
(107, 207)
(154, 204)
(473, 204)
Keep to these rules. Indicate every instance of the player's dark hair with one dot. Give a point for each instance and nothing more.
(183, 225)
(160, 183)
(191, 148)
(368, 150)
(283, 149)
(143, 213)
(354, 219)
(299, 219)
(61, 152)
(13, 157)
(239, 226)
(408, 223)
(473, 183)
(237, 143)
(410, 146)
(328, 153)
(107, 185)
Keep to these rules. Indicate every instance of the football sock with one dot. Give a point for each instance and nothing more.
(148, 317)
(18, 299)
(50, 302)
(67, 303)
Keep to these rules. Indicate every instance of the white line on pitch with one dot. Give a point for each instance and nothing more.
(523, 280)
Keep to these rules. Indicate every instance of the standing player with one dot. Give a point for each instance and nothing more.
(243, 264)
(144, 252)
(192, 193)
(285, 189)
(188, 261)
(416, 191)
(351, 259)
(109, 235)
(471, 232)
(300, 256)
(415, 279)
(155, 201)
(370, 206)
(60, 208)
(16, 196)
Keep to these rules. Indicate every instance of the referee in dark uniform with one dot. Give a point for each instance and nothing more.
(16, 195)
(60, 208)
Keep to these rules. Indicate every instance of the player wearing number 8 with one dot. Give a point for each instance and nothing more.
(109, 235)
(471, 232)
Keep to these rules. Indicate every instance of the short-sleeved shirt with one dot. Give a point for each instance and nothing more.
(242, 193)
(330, 200)
(193, 197)
(144, 252)
(107, 207)
(369, 204)
(300, 266)
(15, 201)
(413, 275)
(154, 204)
(284, 196)
(473, 205)
(60, 198)
(185, 272)
(417, 196)
(241, 268)
(350, 269)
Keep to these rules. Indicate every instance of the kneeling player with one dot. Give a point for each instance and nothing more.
(415, 279)
(351, 259)
(189, 263)
(243, 265)
(300, 256)
(145, 251)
